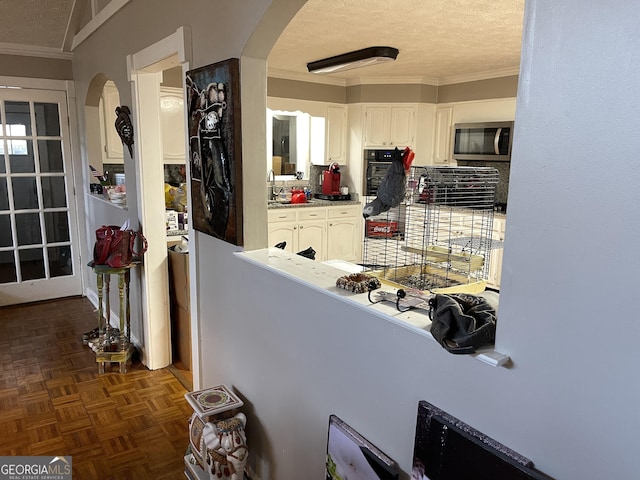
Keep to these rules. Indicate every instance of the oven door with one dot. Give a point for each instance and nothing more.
(375, 173)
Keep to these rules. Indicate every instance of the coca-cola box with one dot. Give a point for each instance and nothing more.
(381, 229)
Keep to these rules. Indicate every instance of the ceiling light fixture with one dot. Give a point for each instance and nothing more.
(359, 58)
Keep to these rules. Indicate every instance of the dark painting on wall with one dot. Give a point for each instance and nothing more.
(215, 153)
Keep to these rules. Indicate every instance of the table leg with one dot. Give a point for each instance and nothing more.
(121, 282)
(107, 333)
(100, 281)
(127, 278)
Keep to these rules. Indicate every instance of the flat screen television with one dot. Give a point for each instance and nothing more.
(351, 457)
(446, 448)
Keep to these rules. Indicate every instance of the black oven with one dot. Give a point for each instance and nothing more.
(376, 164)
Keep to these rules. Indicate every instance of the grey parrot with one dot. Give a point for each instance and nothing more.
(392, 188)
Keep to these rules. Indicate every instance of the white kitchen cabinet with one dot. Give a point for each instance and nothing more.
(495, 264)
(172, 123)
(344, 238)
(442, 136)
(301, 228)
(112, 144)
(333, 232)
(389, 126)
(336, 134)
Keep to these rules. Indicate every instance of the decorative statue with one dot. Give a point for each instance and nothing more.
(220, 446)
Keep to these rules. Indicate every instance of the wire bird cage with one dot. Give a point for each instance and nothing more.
(439, 238)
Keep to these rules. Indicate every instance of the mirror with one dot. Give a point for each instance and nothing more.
(288, 143)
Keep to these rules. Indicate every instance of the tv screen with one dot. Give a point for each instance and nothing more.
(448, 449)
(351, 457)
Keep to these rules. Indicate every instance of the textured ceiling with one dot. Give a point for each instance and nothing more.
(440, 41)
(38, 23)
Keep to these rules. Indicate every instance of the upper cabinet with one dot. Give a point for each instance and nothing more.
(389, 126)
(112, 151)
(172, 122)
(336, 134)
(442, 136)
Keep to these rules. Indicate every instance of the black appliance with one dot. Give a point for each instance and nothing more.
(489, 141)
(376, 164)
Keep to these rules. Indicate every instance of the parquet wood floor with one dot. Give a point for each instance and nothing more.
(54, 402)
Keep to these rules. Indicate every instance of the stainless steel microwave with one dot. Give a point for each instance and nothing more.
(490, 141)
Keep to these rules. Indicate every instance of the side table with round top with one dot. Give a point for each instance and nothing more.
(112, 347)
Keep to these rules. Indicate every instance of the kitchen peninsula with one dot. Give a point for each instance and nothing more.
(321, 278)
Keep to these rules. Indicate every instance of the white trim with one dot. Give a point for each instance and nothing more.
(96, 22)
(505, 72)
(38, 84)
(154, 58)
(144, 71)
(365, 80)
(33, 51)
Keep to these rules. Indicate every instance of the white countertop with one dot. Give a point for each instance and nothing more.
(322, 277)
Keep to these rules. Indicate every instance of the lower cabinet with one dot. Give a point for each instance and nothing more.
(495, 264)
(333, 232)
(344, 233)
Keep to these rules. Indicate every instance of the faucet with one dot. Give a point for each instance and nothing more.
(271, 177)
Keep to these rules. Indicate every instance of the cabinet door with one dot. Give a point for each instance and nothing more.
(442, 136)
(342, 238)
(336, 134)
(283, 232)
(172, 122)
(402, 126)
(113, 144)
(495, 269)
(376, 126)
(313, 234)
(495, 265)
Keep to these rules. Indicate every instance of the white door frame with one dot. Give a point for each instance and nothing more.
(74, 175)
(144, 71)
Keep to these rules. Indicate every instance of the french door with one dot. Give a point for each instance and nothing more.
(39, 254)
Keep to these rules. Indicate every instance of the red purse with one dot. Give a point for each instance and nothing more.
(115, 247)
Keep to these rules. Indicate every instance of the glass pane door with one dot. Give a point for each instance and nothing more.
(38, 234)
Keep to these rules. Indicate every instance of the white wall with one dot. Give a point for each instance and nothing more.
(570, 399)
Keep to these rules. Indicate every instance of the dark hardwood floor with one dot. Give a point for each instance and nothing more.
(54, 402)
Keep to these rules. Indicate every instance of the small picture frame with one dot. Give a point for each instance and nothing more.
(350, 455)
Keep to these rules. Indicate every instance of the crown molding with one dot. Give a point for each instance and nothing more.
(32, 51)
(391, 81)
(305, 77)
(379, 80)
(474, 77)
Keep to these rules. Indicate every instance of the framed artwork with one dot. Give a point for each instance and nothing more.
(351, 456)
(215, 149)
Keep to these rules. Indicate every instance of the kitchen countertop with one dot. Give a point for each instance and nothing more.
(314, 202)
(322, 276)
